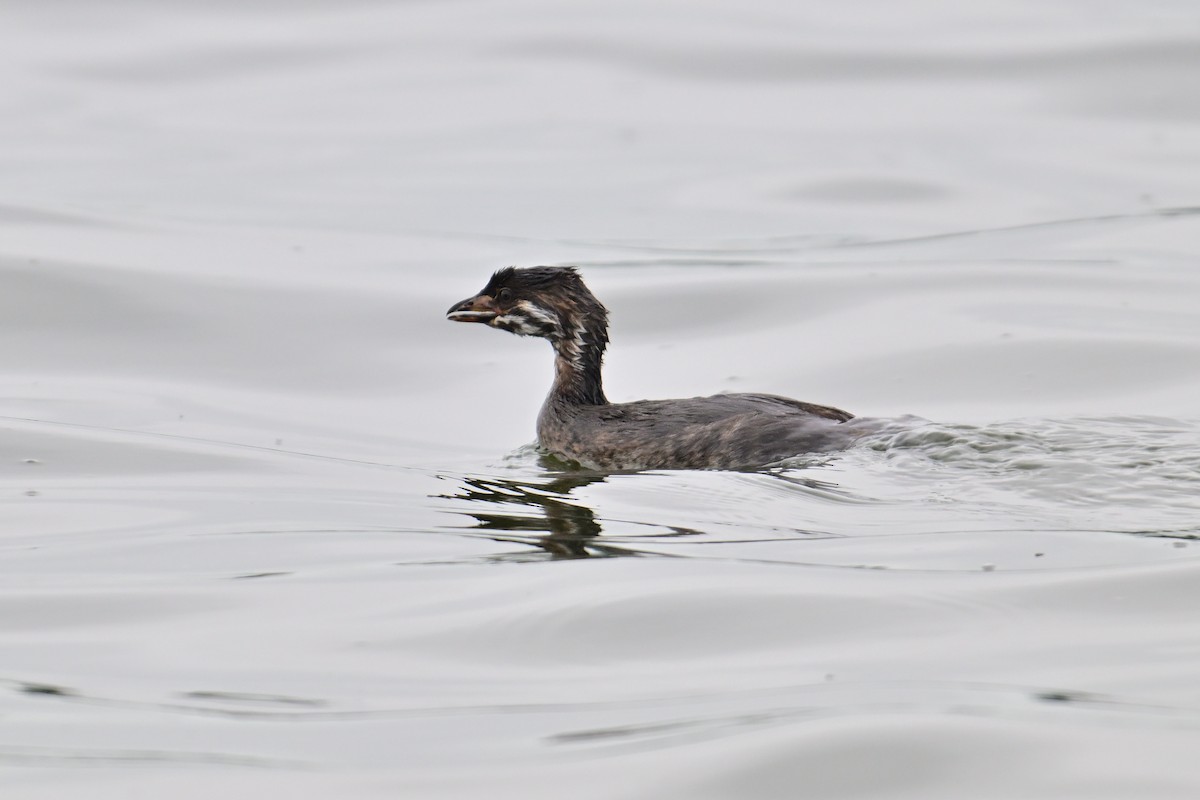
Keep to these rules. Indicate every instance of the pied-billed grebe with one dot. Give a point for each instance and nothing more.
(725, 431)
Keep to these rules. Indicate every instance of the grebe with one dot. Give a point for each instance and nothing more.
(725, 431)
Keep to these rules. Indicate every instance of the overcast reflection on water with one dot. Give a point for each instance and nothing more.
(272, 526)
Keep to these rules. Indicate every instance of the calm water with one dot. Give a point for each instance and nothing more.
(272, 526)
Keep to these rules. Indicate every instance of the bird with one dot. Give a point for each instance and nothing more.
(578, 424)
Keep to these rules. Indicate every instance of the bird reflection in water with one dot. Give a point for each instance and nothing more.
(543, 517)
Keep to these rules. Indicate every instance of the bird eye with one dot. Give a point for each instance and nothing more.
(504, 294)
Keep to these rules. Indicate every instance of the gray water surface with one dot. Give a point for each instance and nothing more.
(272, 526)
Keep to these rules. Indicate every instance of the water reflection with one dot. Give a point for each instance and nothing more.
(561, 528)
(544, 511)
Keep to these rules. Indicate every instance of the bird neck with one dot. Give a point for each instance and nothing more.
(578, 355)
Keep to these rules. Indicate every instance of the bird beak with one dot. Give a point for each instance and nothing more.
(480, 308)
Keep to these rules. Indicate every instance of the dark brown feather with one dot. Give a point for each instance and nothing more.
(724, 431)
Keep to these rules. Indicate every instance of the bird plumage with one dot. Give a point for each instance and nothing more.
(724, 431)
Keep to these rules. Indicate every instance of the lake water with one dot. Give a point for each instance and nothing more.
(273, 527)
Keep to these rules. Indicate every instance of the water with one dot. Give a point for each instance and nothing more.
(271, 525)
